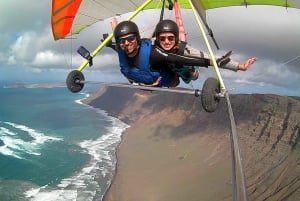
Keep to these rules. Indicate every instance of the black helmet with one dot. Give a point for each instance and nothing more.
(126, 27)
(167, 26)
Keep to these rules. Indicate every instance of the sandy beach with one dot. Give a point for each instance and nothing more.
(156, 163)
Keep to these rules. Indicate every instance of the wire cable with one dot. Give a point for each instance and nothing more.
(236, 156)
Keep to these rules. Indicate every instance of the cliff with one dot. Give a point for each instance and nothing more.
(175, 124)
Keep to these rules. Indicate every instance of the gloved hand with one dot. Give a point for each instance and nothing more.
(110, 43)
(224, 59)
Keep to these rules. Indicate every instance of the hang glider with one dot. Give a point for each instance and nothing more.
(69, 17)
(72, 16)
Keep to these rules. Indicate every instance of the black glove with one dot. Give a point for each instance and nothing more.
(224, 59)
(110, 43)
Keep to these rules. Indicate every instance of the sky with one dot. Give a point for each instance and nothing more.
(28, 52)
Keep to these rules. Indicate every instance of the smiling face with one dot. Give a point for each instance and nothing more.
(129, 44)
(167, 40)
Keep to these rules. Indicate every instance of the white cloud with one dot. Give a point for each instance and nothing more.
(36, 70)
(11, 60)
(26, 39)
(18, 16)
(46, 58)
(107, 61)
(24, 49)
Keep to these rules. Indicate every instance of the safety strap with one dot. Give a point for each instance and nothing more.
(181, 47)
(179, 21)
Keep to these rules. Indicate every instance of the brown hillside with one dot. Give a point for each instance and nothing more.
(174, 150)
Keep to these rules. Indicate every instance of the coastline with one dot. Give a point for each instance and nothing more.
(106, 192)
(176, 151)
(88, 101)
(153, 156)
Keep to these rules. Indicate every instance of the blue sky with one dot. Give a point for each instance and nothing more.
(28, 52)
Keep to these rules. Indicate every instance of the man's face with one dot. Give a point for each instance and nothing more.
(129, 44)
(166, 40)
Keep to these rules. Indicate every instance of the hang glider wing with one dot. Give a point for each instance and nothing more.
(71, 16)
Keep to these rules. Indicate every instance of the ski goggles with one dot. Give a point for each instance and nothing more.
(163, 38)
(128, 38)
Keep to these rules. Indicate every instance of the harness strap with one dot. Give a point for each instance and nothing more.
(179, 21)
(181, 47)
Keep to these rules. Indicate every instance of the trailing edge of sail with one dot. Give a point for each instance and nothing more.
(71, 16)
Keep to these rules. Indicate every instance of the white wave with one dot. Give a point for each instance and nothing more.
(32, 192)
(79, 101)
(19, 145)
(16, 147)
(85, 94)
(99, 151)
(6, 131)
(85, 182)
(57, 195)
(6, 151)
(39, 138)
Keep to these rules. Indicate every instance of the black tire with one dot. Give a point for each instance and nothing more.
(209, 98)
(73, 79)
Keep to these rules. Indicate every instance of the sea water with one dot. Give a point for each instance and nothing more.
(52, 147)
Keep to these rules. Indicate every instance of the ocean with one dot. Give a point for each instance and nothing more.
(53, 147)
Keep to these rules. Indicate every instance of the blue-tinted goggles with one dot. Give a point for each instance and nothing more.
(128, 38)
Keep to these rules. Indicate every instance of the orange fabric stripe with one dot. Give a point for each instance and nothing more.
(62, 17)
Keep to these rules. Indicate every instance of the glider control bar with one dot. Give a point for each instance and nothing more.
(210, 93)
(195, 92)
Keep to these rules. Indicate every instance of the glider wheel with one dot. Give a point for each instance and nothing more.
(209, 97)
(73, 81)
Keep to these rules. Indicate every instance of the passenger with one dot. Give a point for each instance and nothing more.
(167, 38)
